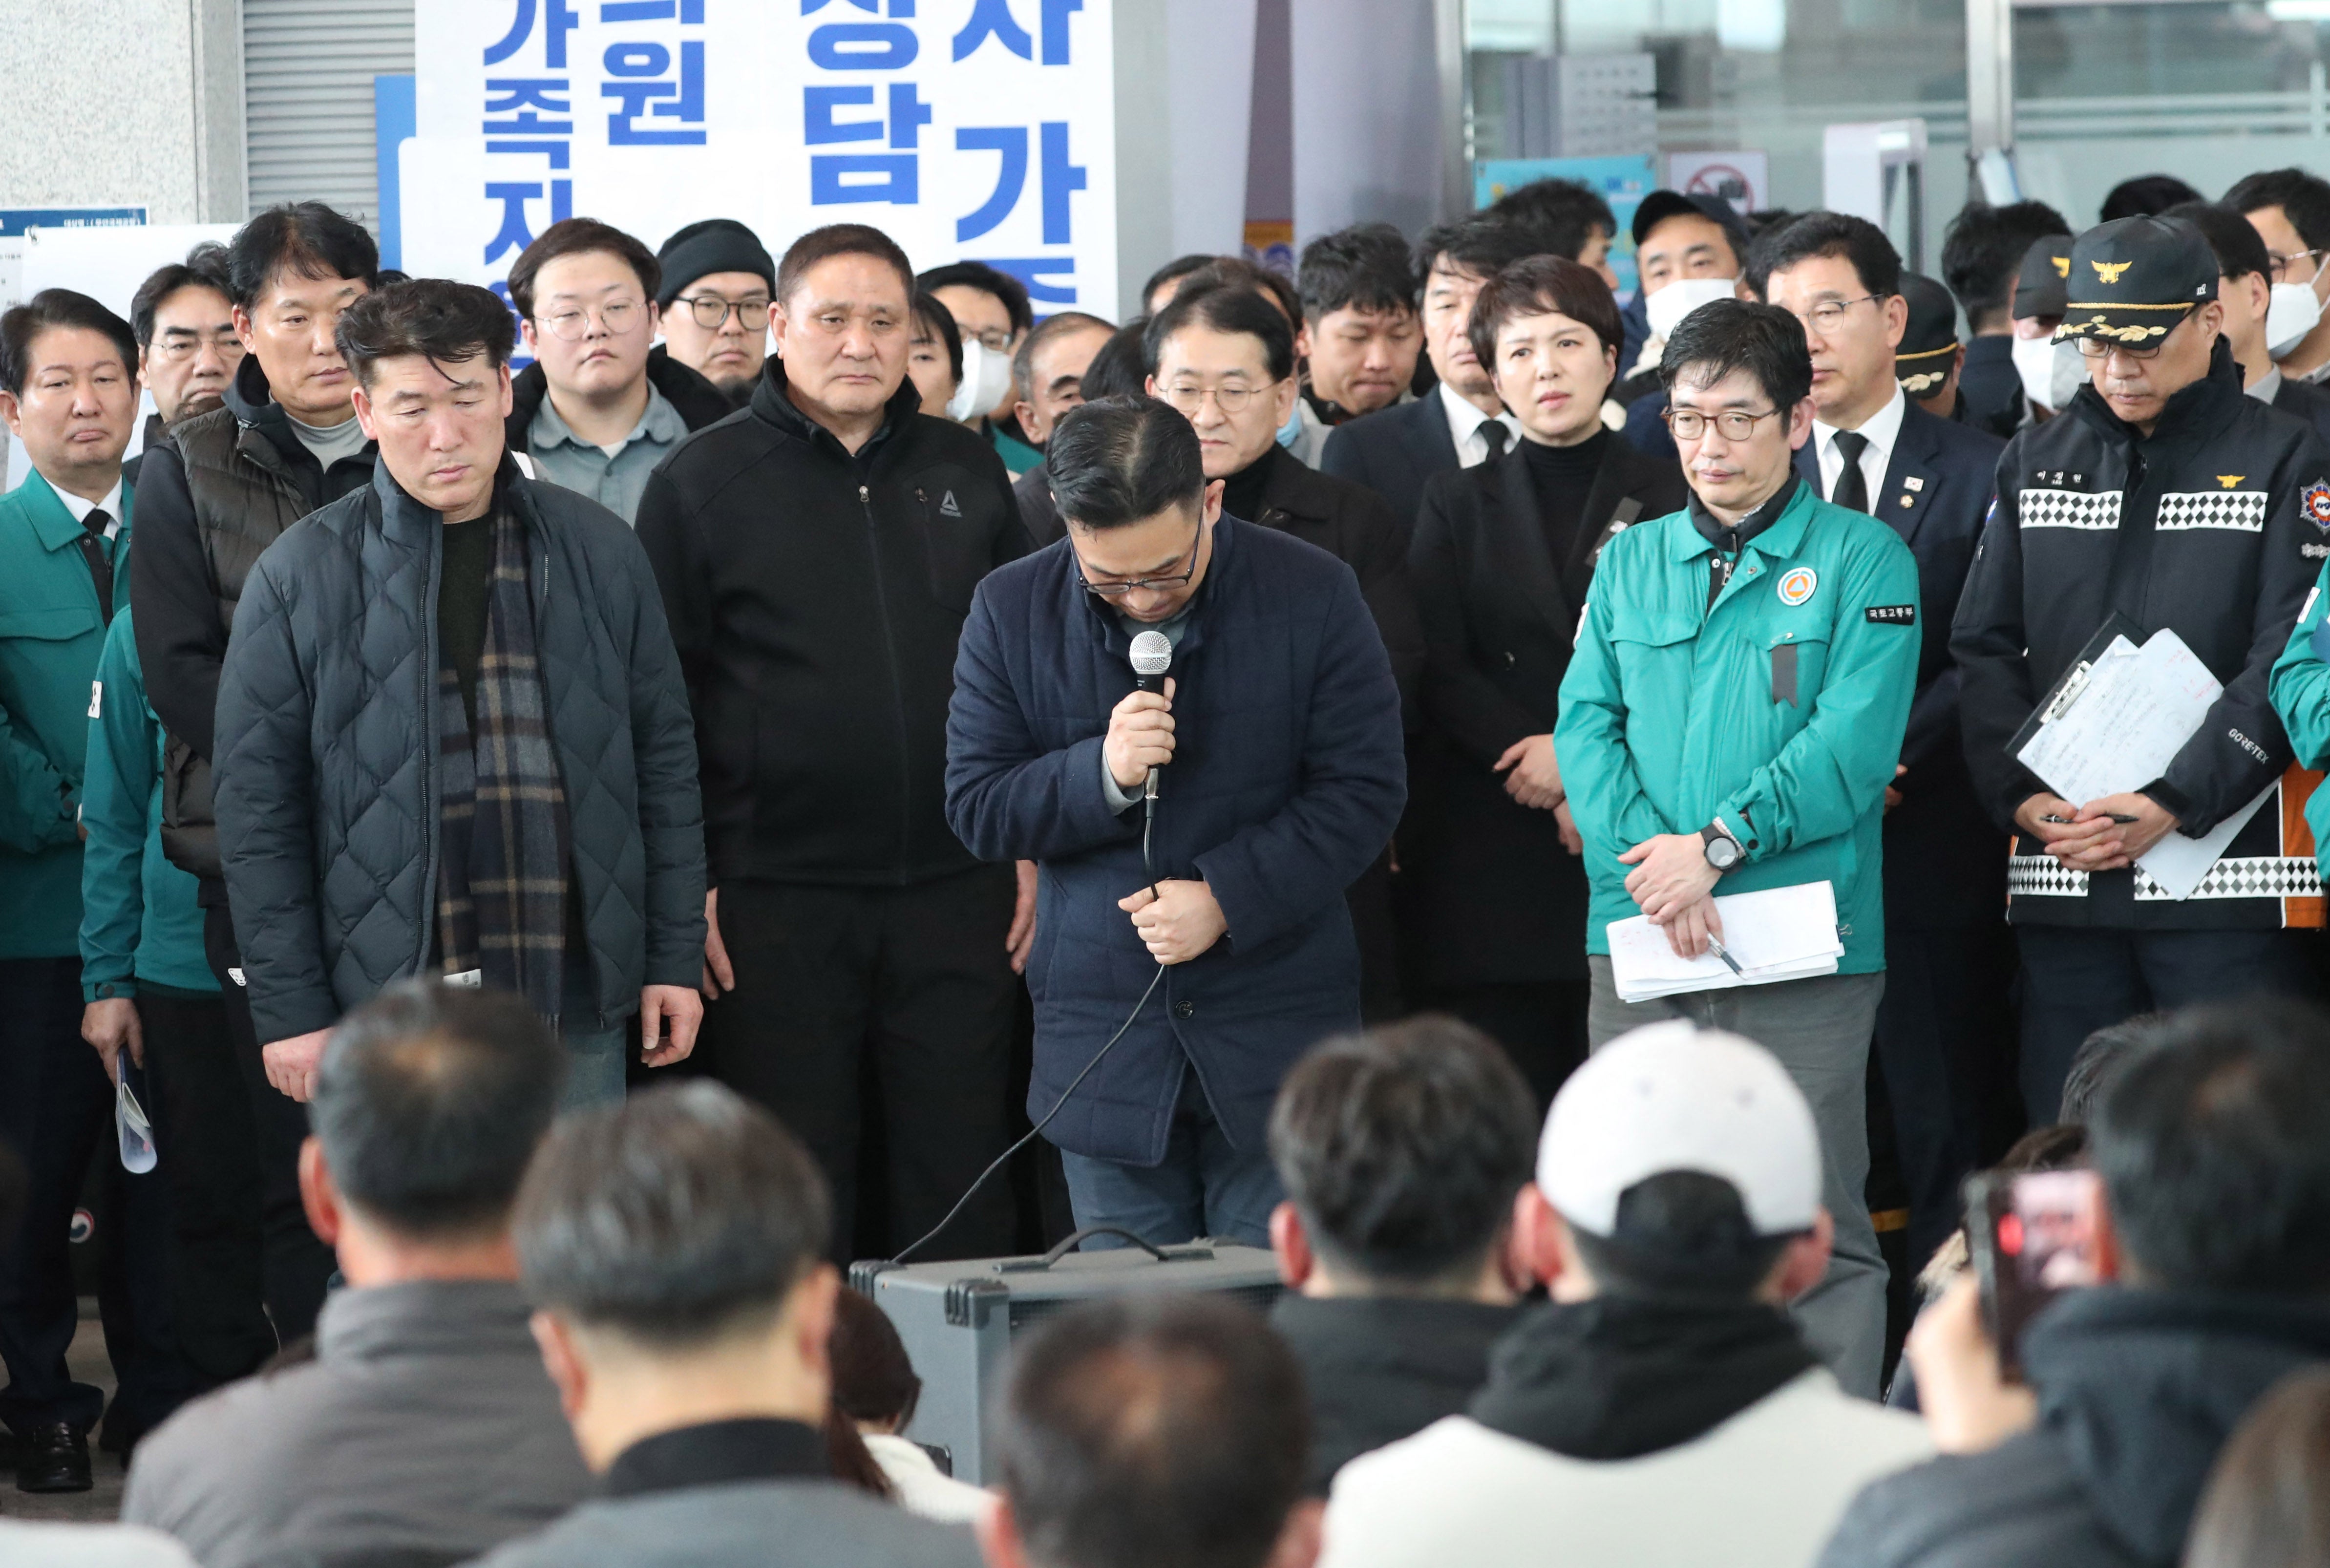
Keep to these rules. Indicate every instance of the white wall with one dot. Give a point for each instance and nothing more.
(122, 103)
(1184, 89)
(1367, 114)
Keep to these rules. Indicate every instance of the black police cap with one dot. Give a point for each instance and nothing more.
(2040, 287)
(1929, 343)
(2133, 279)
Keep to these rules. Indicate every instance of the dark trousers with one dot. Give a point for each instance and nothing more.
(905, 995)
(297, 1267)
(56, 1112)
(204, 1139)
(1944, 1046)
(1541, 1024)
(2077, 980)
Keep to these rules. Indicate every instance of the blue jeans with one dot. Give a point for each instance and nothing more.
(1204, 1186)
(594, 1068)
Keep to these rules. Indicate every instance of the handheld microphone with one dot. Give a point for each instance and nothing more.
(1152, 656)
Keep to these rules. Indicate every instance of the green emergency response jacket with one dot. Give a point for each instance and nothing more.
(1779, 708)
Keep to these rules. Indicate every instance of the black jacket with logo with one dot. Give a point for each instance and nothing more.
(2202, 527)
(816, 599)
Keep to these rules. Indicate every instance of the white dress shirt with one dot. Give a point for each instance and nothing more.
(1883, 429)
(1464, 423)
(80, 508)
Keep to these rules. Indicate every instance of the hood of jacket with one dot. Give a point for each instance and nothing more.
(691, 395)
(252, 401)
(2143, 1387)
(1617, 1377)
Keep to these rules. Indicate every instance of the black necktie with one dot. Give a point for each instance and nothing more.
(1851, 485)
(1493, 435)
(100, 564)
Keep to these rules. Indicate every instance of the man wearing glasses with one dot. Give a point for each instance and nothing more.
(1207, 926)
(1729, 723)
(717, 280)
(2163, 494)
(2290, 209)
(599, 407)
(1943, 1030)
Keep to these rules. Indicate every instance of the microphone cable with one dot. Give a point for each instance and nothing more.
(1147, 821)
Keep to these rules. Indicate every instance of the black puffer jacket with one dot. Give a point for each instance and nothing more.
(217, 490)
(2138, 1390)
(327, 752)
(816, 597)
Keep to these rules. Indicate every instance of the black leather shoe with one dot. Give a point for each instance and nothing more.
(53, 1459)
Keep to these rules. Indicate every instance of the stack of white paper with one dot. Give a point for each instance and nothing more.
(2120, 729)
(1781, 933)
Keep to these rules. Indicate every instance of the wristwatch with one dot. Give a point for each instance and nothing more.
(1723, 850)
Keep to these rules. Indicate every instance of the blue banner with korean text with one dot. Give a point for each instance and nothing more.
(967, 129)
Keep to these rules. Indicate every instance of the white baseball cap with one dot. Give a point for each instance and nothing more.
(1670, 1097)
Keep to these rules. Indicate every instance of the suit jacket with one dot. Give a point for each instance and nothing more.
(1945, 860)
(1495, 897)
(1395, 452)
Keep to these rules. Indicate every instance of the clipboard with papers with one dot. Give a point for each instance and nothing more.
(1774, 934)
(2114, 723)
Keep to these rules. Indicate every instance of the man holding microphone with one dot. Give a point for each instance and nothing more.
(1192, 945)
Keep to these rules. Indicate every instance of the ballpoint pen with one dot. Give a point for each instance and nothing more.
(1715, 945)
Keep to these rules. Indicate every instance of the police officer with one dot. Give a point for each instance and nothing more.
(1730, 720)
(2163, 494)
(1930, 358)
(1944, 1033)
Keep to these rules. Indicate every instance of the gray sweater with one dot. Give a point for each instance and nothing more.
(425, 1423)
(774, 1524)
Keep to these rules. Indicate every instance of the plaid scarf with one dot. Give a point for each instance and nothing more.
(503, 856)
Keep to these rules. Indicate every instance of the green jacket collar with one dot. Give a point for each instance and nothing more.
(1779, 541)
(53, 522)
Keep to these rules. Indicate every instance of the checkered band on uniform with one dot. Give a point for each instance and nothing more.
(2241, 510)
(2044, 876)
(2246, 876)
(2069, 508)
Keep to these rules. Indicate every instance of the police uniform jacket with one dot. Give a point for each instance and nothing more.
(1778, 708)
(2215, 526)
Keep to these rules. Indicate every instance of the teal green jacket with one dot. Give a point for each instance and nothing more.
(52, 630)
(2300, 689)
(139, 924)
(1672, 714)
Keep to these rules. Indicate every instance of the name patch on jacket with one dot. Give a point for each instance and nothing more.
(1892, 614)
(2242, 511)
(2070, 508)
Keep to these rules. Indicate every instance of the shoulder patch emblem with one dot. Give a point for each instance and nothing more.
(2109, 271)
(1797, 583)
(1892, 615)
(2315, 500)
(2230, 480)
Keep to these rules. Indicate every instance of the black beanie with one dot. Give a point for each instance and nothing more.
(713, 245)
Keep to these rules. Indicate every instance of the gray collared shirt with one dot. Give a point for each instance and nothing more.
(614, 479)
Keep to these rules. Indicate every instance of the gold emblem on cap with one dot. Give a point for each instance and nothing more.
(2230, 480)
(2062, 266)
(2109, 271)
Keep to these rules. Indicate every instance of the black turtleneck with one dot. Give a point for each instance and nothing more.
(1562, 477)
(1242, 493)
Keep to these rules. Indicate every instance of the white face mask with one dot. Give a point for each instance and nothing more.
(1667, 307)
(986, 377)
(2293, 313)
(2051, 373)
